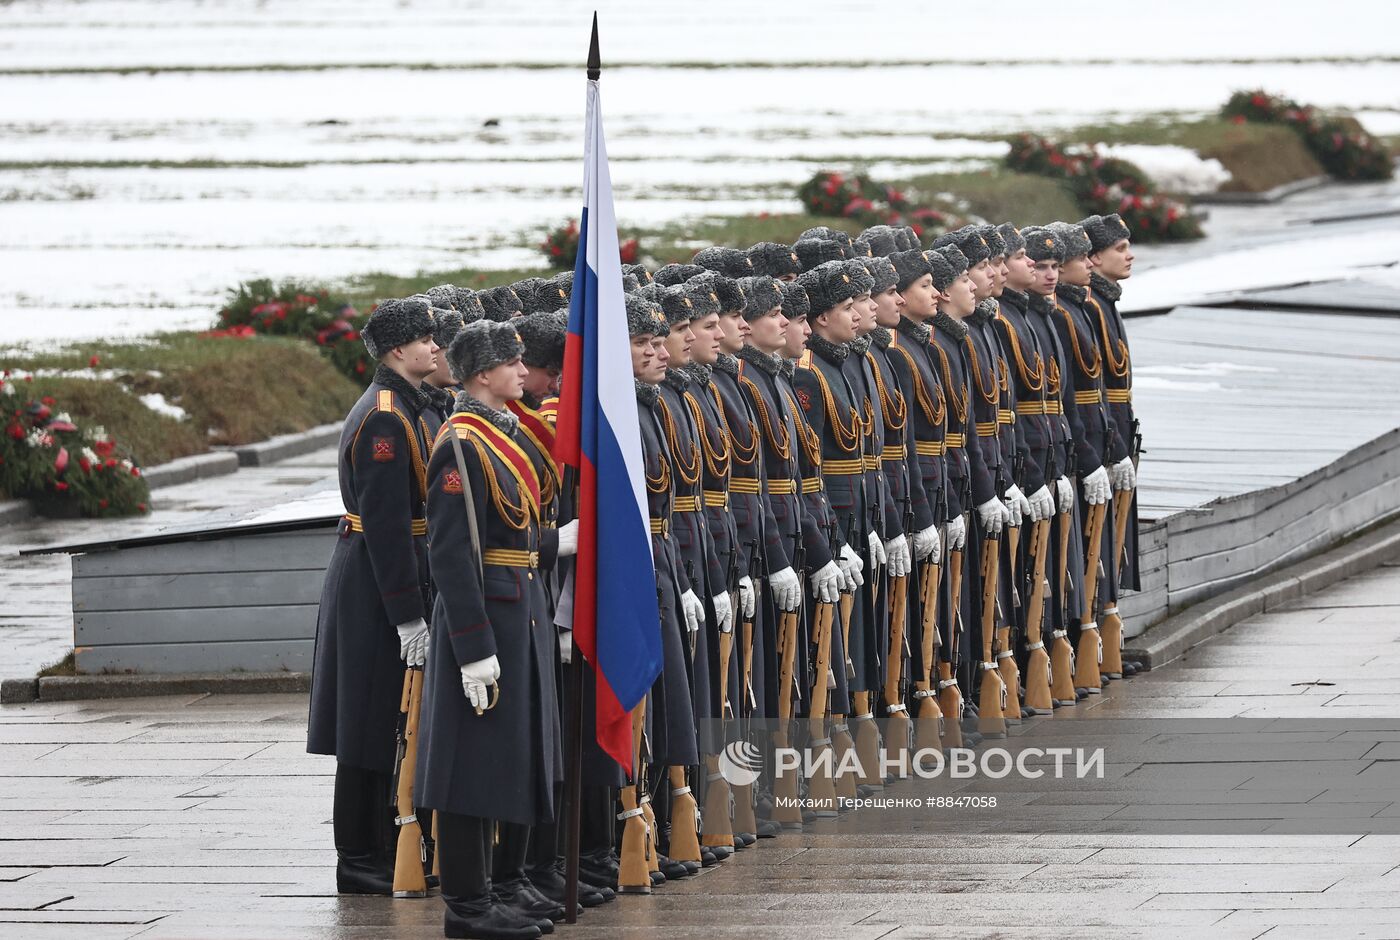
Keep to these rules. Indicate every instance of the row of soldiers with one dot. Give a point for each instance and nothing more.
(892, 501)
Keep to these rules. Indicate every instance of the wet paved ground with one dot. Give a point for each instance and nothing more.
(202, 817)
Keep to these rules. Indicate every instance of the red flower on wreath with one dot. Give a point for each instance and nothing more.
(60, 486)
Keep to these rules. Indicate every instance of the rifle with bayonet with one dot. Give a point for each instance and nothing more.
(411, 855)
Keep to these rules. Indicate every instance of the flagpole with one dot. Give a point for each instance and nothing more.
(573, 768)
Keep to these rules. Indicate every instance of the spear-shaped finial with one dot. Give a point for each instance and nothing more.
(595, 65)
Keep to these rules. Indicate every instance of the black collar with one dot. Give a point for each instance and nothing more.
(760, 359)
(832, 352)
(954, 328)
(504, 420)
(918, 332)
(678, 379)
(986, 311)
(727, 364)
(417, 398)
(1040, 304)
(880, 337)
(1072, 292)
(646, 394)
(1105, 288)
(1014, 298)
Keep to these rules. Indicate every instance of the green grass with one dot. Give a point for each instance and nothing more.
(67, 666)
(1258, 156)
(234, 391)
(996, 195)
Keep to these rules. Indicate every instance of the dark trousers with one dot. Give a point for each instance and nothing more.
(362, 817)
(464, 848)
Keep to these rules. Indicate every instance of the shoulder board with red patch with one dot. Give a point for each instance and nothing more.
(386, 400)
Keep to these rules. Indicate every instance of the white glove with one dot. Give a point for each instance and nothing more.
(957, 534)
(926, 547)
(566, 646)
(851, 564)
(1097, 488)
(877, 551)
(897, 555)
(694, 610)
(478, 677)
(826, 583)
(1018, 504)
(724, 613)
(1124, 474)
(1042, 506)
(994, 516)
(568, 539)
(413, 642)
(1064, 498)
(787, 592)
(746, 597)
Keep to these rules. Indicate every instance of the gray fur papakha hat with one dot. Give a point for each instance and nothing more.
(814, 251)
(1011, 238)
(882, 271)
(1105, 231)
(703, 298)
(500, 303)
(911, 236)
(995, 244)
(676, 305)
(827, 233)
(909, 266)
(395, 322)
(880, 239)
(969, 241)
(444, 295)
(1075, 239)
(672, 274)
(644, 316)
(944, 273)
(1043, 244)
(761, 294)
(639, 271)
(862, 281)
(558, 290)
(774, 259)
(831, 284)
(543, 335)
(630, 283)
(447, 323)
(467, 302)
(483, 345)
(527, 289)
(725, 289)
(796, 303)
(730, 262)
(956, 258)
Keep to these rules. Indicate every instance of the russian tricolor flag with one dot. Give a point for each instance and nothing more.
(616, 624)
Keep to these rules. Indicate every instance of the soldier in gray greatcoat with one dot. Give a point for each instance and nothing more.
(374, 599)
(489, 774)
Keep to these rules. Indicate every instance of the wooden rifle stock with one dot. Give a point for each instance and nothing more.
(1086, 672)
(637, 855)
(897, 724)
(1005, 651)
(1111, 624)
(991, 702)
(685, 833)
(1061, 653)
(821, 787)
(949, 695)
(1037, 659)
(786, 812)
(409, 878)
(841, 740)
(929, 720)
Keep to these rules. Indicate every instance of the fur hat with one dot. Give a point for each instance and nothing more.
(704, 299)
(543, 335)
(444, 295)
(1105, 231)
(447, 323)
(483, 345)
(730, 262)
(1011, 238)
(500, 303)
(880, 239)
(862, 281)
(909, 266)
(827, 233)
(639, 271)
(630, 283)
(1076, 240)
(1043, 244)
(833, 283)
(672, 274)
(395, 322)
(644, 316)
(528, 290)
(725, 289)
(774, 259)
(995, 244)
(467, 302)
(761, 294)
(796, 303)
(558, 290)
(814, 251)
(956, 258)
(944, 271)
(967, 240)
(676, 304)
(883, 272)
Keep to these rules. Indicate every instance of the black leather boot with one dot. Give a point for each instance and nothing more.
(481, 919)
(551, 883)
(522, 897)
(362, 873)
